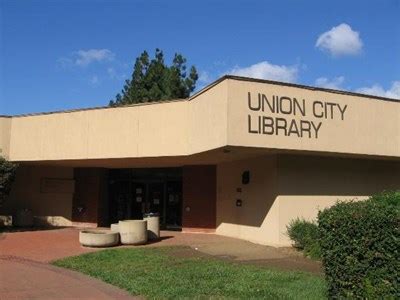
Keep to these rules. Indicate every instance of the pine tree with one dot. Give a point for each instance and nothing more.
(153, 80)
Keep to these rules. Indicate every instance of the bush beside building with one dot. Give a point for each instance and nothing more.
(305, 236)
(360, 246)
(7, 175)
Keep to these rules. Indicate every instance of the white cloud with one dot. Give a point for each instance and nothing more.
(204, 77)
(94, 80)
(340, 40)
(86, 57)
(65, 62)
(266, 70)
(377, 90)
(116, 72)
(334, 83)
(83, 58)
(111, 72)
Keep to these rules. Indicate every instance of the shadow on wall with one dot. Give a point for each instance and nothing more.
(293, 178)
(246, 204)
(46, 192)
(29, 220)
(330, 176)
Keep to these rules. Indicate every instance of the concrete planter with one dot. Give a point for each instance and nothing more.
(114, 227)
(153, 227)
(5, 221)
(98, 238)
(133, 232)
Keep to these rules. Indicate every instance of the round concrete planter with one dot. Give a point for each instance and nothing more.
(153, 227)
(133, 232)
(114, 227)
(98, 238)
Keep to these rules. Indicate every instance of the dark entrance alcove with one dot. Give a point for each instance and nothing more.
(134, 192)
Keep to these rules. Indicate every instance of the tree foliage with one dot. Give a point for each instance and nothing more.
(7, 176)
(153, 80)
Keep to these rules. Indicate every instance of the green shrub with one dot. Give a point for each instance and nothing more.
(391, 198)
(7, 176)
(304, 234)
(360, 247)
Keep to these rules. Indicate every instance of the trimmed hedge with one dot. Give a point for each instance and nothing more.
(305, 236)
(360, 245)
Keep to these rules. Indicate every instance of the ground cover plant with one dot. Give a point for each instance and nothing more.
(161, 273)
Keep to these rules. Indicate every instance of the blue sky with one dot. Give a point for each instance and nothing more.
(71, 54)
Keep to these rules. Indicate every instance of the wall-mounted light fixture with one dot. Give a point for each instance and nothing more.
(246, 177)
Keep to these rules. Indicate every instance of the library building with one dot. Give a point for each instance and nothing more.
(241, 158)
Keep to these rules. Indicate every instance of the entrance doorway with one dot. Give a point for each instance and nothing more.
(135, 192)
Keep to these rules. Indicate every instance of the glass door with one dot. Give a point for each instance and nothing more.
(173, 205)
(134, 192)
(138, 203)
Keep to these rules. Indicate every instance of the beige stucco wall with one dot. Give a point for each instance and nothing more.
(52, 205)
(257, 220)
(284, 187)
(143, 130)
(369, 126)
(5, 131)
(176, 128)
(207, 119)
(308, 184)
(211, 119)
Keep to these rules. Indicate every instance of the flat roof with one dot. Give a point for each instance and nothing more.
(301, 86)
(208, 87)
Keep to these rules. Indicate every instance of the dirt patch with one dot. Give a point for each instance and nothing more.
(289, 264)
(292, 263)
(184, 252)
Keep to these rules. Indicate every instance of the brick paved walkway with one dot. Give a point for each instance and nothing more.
(26, 279)
(25, 274)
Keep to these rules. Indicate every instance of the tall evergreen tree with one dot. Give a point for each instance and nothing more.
(153, 80)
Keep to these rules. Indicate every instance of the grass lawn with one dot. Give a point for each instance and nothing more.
(163, 273)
